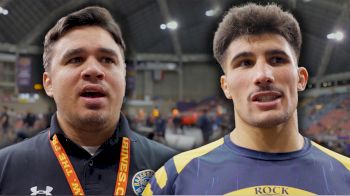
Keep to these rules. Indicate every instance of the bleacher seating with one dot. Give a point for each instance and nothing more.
(326, 118)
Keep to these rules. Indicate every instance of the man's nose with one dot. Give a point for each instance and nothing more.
(263, 74)
(92, 70)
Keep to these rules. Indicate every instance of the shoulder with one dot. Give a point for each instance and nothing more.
(164, 179)
(17, 158)
(153, 146)
(182, 159)
(148, 153)
(176, 165)
(24, 148)
(345, 161)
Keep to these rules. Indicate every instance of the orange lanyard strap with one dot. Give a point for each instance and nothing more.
(72, 178)
(67, 167)
(123, 170)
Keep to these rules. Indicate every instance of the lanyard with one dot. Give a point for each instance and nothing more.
(72, 178)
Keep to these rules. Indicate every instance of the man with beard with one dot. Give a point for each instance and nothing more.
(89, 147)
(258, 49)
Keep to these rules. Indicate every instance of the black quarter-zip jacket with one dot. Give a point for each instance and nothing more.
(31, 167)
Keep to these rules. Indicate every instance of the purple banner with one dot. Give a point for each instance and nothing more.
(24, 72)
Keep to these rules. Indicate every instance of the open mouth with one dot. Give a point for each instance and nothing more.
(266, 96)
(92, 94)
(93, 91)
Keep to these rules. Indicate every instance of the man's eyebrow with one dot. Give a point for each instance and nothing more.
(72, 52)
(111, 53)
(108, 51)
(241, 55)
(78, 51)
(276, 52)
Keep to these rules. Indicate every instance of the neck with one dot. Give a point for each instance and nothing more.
(284, 137)
(86, 135)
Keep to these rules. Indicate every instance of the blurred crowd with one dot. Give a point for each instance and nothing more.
(325, 119)
(210, 119)
(15, 127)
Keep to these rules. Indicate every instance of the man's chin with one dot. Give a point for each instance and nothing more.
(271, 121)
(93, 119)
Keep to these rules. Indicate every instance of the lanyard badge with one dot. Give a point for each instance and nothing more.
(72, 178)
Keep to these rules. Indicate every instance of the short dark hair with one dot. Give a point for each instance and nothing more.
(89, 16)
(252, 19)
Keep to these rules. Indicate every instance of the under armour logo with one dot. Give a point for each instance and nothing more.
(35, 191)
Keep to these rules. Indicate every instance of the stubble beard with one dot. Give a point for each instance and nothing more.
(270, 122)
(92, 122)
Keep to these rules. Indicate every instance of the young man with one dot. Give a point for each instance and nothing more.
(258, 48)
(89, 147)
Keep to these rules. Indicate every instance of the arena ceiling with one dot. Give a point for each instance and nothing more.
(24, 24)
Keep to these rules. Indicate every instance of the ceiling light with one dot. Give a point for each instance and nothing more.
(163, 26)
(3, 11)
(172, 25)
(210, 12)
(337, 36)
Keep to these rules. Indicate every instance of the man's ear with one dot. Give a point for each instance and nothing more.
(303, 77)
(47, 84)
(224, 86)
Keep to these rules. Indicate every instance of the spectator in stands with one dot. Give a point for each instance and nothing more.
(29, 119)
(89, 147)
(141, 118)
(2, 136)
(4, 119)
(176, 119)
(160, 125)
(206, 126)
(258, 49)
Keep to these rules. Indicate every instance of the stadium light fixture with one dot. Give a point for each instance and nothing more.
(3, 11)
(163, 26)
(336, 36)
(172, 25)
(212, 12)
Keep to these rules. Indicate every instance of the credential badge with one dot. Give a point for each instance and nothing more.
(140, 180)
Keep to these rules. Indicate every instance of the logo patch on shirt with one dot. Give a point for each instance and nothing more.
(270, 190)
(140, 180)
(35, 191)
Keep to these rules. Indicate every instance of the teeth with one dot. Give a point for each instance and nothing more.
(90, 91)
(266, 98)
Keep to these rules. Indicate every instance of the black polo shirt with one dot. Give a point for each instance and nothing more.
(31, 167)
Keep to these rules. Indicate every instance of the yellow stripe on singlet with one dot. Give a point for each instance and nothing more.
(148, 190)
(181, 160)
(342, 159)
(161, 179)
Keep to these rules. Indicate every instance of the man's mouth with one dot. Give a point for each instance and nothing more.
(266, 96)
(92, 94)
(93, 91)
